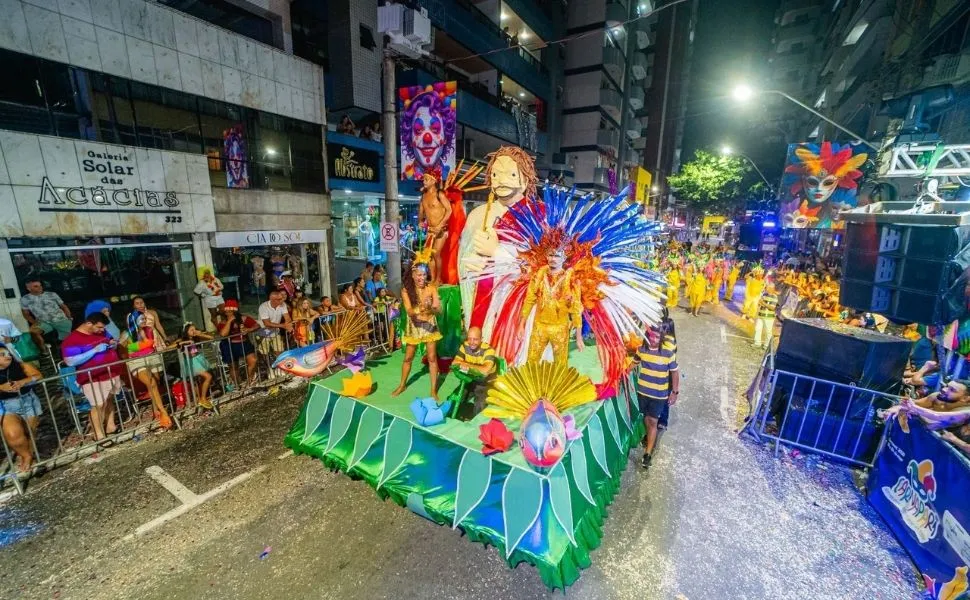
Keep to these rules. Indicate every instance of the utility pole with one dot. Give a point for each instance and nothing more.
(391, 210)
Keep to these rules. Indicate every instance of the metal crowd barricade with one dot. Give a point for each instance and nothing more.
(237, 368)
(835, 420)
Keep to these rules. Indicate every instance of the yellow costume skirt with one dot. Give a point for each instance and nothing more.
(421, 331)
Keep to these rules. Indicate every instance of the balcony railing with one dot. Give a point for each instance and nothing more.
(607, 138)
(611, 101)
(644, 39)
(613, 62)
(463, 21)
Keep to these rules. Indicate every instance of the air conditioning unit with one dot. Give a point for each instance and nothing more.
(948, 68)
(408, 30)
(417, 26)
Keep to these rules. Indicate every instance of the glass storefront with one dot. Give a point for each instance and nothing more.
(159, 268)
(249, 273)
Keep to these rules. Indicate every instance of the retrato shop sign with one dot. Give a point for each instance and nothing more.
(64, 187)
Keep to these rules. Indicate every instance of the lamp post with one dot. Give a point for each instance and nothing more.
(743, 93)
(728, 150)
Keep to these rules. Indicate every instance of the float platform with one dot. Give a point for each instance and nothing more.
(549, 519)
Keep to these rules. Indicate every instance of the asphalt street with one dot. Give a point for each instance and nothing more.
(717, 516)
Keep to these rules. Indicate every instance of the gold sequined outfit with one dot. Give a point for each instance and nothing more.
(558, 309)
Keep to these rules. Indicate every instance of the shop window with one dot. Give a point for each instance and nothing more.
(164, 275)
(249, 273)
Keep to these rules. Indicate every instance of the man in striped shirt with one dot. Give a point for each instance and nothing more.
(475, 354)
(658, 384)
(764, 325)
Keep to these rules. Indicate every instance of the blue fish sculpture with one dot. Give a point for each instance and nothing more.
(542, 435)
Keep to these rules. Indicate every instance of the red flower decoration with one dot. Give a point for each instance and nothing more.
(495, 437)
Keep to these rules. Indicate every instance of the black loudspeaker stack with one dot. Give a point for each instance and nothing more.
(914, 273)
(842, 354)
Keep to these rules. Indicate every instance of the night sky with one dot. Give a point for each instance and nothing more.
(732, 43)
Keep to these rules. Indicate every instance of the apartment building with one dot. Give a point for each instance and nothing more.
(140, 143)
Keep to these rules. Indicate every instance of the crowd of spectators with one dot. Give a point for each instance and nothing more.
(103, 360)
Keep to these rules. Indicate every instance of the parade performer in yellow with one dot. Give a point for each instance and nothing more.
(754, 286)
(673, 287)
(732, 280)
(558, 310)
(717, 280)
(696, 291)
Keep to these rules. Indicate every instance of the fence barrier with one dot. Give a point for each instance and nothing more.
(60, 413)
(835, 420)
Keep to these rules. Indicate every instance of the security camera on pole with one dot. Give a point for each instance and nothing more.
(407, 33)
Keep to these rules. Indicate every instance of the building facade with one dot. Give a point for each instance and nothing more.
(508, 97)
(848, 58)
(141, 143)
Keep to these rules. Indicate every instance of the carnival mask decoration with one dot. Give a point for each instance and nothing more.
(824, 174)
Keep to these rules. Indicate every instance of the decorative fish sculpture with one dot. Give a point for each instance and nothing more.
(542, 435)
(349, 331)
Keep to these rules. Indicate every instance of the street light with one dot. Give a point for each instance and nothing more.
(727, 151)
(743, 93)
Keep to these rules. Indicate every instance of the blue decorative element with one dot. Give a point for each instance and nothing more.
(427, 412)
(415, 504)
(343, 415)
(521, 504)
(474, 477)
(542, 435)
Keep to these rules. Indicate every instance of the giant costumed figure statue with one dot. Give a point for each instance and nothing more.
(510, 176)
(551, 262)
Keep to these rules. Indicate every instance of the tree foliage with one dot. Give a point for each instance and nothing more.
(710, 182)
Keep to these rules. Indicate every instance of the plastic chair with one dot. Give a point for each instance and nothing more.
(465, 381)
(75, 396)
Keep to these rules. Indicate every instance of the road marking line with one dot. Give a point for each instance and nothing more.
(286, 454)
(725, 407)
(181, 493)
(723, 333)
(192, 502)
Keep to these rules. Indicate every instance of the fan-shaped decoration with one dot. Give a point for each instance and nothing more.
(515, 392)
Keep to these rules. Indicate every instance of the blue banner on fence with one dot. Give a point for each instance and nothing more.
(921, 487)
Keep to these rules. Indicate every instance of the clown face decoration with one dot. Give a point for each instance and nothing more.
(428, 127)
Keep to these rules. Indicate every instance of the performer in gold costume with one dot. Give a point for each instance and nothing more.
(558, 308)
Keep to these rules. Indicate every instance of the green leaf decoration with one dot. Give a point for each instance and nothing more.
(369, 429)
(577, 456)
(560, 499)
(397, 446)
(597, 443)
(610, 410)
(474, 475)
(343, 416)
(521, 503)
(623, 407)
(316, 410)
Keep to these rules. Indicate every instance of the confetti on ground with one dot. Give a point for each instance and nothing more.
(265, 553)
